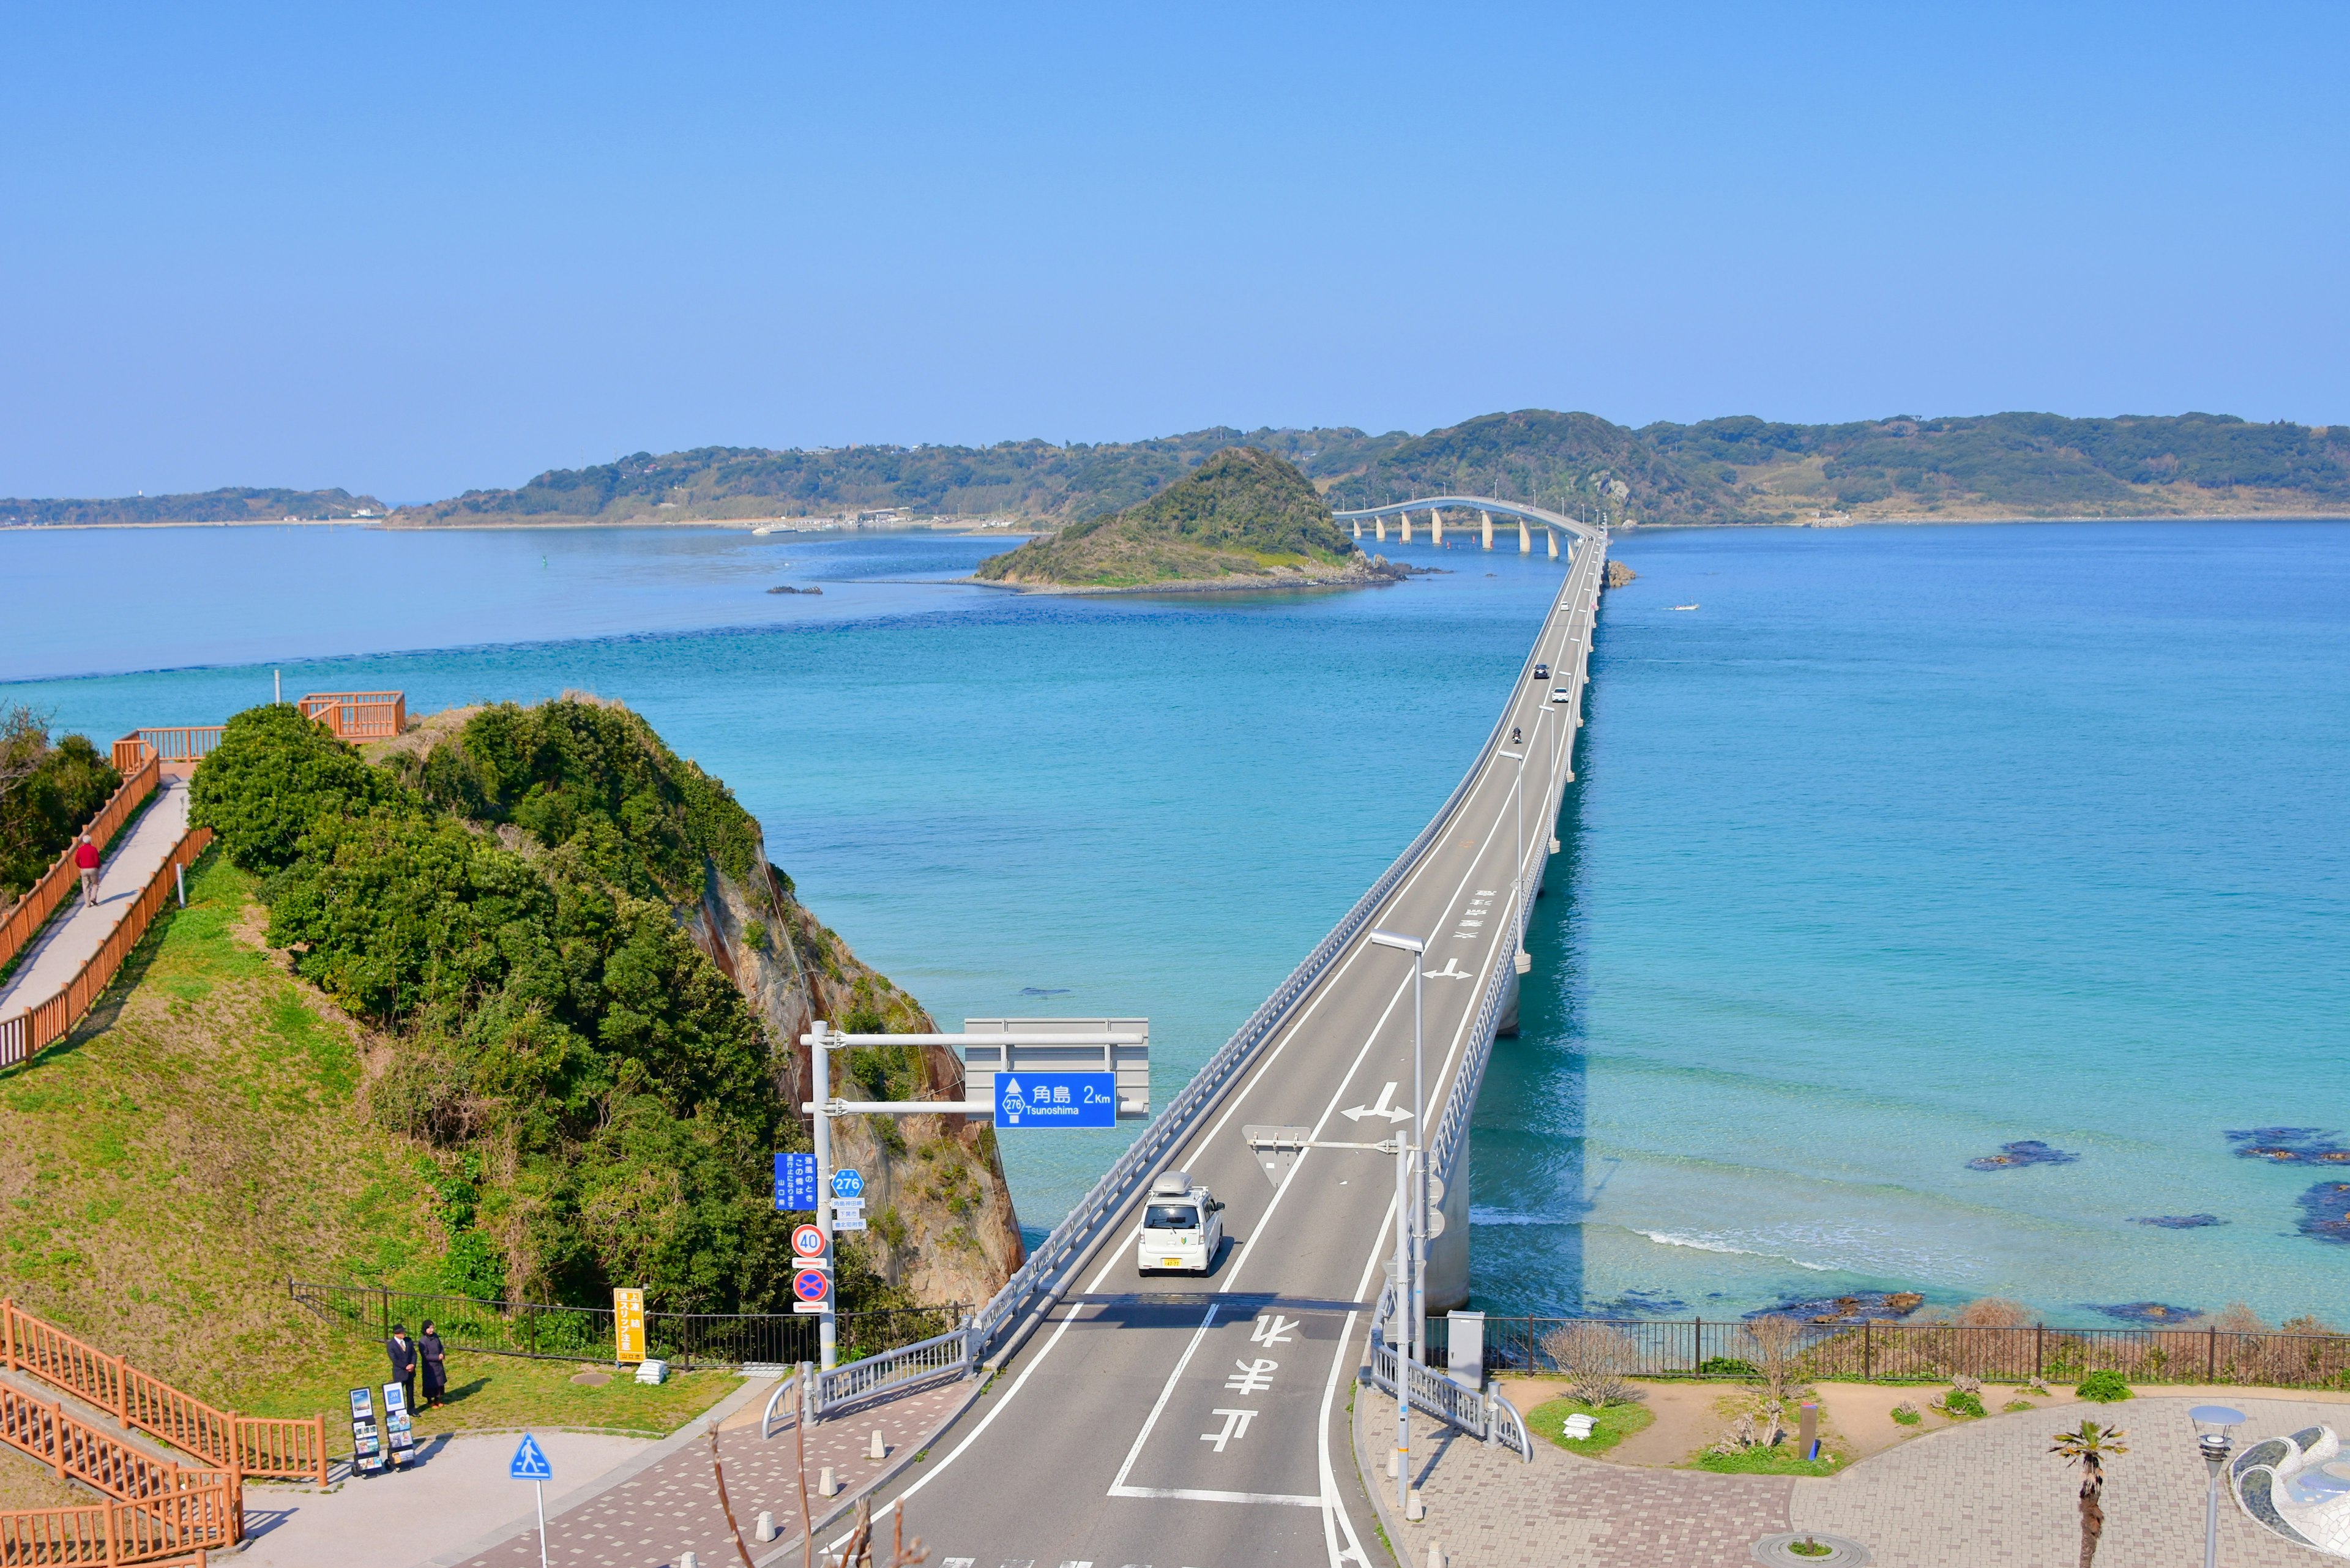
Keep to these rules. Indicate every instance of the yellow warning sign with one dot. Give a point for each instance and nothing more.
(627, 1326)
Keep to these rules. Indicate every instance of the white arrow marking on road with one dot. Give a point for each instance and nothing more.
(1254, 1376)
(1236, 1425)
(1275, 1330)
(1382, 1109)
(1451, 971)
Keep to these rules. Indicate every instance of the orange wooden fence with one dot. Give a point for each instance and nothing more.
(183, 745)
(104, 1536)
(31, 912)
(155, 1508)
(359, 715)
(23, 1036)
(274, 1446)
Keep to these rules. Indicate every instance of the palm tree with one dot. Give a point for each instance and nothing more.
(2089, 1447)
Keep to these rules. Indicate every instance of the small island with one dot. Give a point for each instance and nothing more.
(1243, 519)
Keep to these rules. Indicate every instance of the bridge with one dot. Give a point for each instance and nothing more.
(1204, 1422)
(1526, 517)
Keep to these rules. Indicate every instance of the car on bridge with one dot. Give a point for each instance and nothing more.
(1561, 693)
(1182, 1227)
(1542, 671)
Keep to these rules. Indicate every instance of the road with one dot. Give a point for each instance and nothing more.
(1184, 1422)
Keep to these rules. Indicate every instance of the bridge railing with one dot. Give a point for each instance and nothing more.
(1038, 1282)
(358, 715)
(1486, 1417)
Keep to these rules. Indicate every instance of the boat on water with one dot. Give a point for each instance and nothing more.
(1685, 607)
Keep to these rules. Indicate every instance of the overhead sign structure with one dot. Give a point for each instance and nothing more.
(628, 1324)
(808, 1241)
(1056, 1099)
(847, 1183)
(811, 1291)
(1277, 1147)
(986, 1062)
(795, 1189)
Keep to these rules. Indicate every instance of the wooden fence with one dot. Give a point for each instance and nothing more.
(359, 715)
(26, 1034)
(155, 1509)
(28, 914)
(177, 746)
(1926, 1352)
(271, 1446)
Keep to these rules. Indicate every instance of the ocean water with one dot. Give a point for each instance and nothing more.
(1906, 844)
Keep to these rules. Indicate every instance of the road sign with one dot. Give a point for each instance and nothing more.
(1057, 1100)
(811, 1289)
(627, 1326)
(847, 1183)
(849, 1219)
(808, 1241)
(530, 1463)
(1277, 1148)
(795, 1182)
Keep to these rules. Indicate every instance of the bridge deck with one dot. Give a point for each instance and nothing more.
(1168, 1419)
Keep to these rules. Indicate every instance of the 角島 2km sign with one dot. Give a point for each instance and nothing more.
(1055, 1099)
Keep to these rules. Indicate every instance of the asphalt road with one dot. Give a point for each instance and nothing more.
(1188, 1422)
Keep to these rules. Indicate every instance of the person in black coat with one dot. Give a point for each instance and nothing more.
(435, 1362)
(402, 1350)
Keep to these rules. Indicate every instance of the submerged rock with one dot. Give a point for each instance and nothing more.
(2289, 1145)
(2180, 1221)
(1877, 1306)
(2145, 1312)
(2029, 1151)
(1639, 1304)
(787, 588)
(2325, 1212)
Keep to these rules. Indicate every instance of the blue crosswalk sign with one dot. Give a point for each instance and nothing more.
(530, 1461)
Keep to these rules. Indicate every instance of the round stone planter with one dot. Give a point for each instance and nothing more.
(1776, 1551)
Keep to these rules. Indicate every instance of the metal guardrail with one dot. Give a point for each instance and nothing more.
(950, 1354)
(1038, 1280)
(1488, 1418)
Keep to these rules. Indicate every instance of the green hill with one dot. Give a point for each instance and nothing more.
(234, 506)
(1244, 518)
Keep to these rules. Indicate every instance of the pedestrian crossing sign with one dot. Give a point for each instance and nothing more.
(530, 1463)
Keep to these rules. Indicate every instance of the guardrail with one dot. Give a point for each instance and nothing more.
(1487, 1417)
(163, 1506)
(951, 1353)
(26, 1034)
(28, 914)
(1038, 1281)
(175, 743)
(358, 715)
(271, 1446)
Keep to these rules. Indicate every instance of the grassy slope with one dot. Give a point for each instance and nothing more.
(1241, 514)
(197, 1141)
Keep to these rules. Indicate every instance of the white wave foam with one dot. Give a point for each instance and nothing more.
(1506, 1217)
(1714, 1244)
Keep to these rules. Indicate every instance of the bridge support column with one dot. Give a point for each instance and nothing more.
(1507, 1025)
(1435, 526)
(1525, 540)
(1407, 527)
(1447, 1255)
(1551, 532)
(1381, 525)
(1488, 517)
(1358, 531)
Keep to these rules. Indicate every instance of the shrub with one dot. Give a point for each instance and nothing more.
(1726, 1367)
(2014, 1405)
(1597, 1359)
(1959, 1402)
(2107, 1388)
(1906, 1415)
(1992, 1312)
(47, 794)
(272, 776)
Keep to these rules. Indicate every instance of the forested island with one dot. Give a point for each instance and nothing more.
(1741, 469)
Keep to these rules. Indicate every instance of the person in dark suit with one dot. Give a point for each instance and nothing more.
(403, 1362)
(435, 1362)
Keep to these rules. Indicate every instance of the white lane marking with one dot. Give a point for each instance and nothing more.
(1333, 1513)
(1254, 1376)
(1194, 1494)
(1385, 1107)
(1165, 1393)
(1451, 971)
(1236, 1426)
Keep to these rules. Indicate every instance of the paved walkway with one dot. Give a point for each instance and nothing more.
(57, 955)
(651, 1517)
(1985, 1491)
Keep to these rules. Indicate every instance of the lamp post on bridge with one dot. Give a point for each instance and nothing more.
(1411, 1226)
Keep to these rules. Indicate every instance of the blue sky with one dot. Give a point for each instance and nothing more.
(410, 249)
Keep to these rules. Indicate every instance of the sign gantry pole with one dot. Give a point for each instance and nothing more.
(827, 1325)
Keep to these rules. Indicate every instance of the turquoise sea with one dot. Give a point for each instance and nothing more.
(1906, 844)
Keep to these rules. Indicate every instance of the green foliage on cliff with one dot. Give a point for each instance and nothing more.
(47, 793)
(550, 1023)
(1242, 512)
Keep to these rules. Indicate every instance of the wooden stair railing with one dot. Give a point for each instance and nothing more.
(273, 1446)
(154, 1508)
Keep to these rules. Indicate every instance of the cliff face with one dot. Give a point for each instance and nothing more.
(942, 1215)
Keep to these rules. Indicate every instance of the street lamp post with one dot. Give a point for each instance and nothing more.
(2215, 1437)
(1518, 866)
(1411, 1229)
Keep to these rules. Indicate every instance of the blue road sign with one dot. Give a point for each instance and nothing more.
(849, 1184)
(1056, 1099)
(530, 1461)
(795, 1182)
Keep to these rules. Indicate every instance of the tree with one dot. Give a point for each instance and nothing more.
(2089, 1446)
(1597, 1358)
(1778, 1344)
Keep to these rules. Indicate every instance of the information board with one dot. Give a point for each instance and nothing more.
(795, 1182)
(399, 1426)
(628, 1324)
(366, 1442)
(1057, 1100)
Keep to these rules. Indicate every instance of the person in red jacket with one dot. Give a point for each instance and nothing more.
(86, 856)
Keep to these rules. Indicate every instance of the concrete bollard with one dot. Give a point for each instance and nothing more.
(826, 1483)
(766, 1528)
(688, 1560)
(877, 1450)
(1395, 1463)
(1414, 1511)
(1435, 1555)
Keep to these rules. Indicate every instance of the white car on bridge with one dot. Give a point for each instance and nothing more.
(1182, 1226)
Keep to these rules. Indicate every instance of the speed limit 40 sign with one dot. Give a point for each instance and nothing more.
(808, 1241)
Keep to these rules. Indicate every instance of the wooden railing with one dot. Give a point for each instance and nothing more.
(155, 1508)
(175, 743)
(23, 1037)
(359, 715)
(271, 1446)
(31, 912)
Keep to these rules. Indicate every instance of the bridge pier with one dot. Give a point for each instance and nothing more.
(1525, 540)
(1381, 525)
(1551, 532)
(1435, 526)
(1488, 517)
(1407, 526)
(1358, 531)
(1507, 1024)
(1447, 1255)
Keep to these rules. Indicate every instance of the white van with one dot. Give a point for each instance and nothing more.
(1182, 1226)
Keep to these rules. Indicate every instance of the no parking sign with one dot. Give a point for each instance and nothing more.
(811, 1289)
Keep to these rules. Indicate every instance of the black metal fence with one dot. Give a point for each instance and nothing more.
(685, 1339)
(1919, 1352)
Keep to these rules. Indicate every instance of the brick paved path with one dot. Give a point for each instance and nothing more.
(672, 1506)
